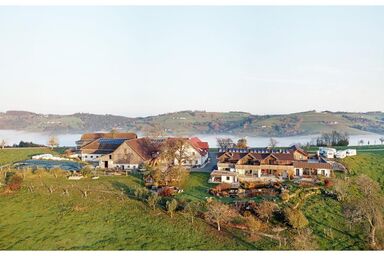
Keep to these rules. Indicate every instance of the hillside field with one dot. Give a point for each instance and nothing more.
(110, 219)
(12, 155)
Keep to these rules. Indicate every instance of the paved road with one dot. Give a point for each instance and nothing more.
(209, 166)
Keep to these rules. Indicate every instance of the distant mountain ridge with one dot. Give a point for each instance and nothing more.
(200, 122)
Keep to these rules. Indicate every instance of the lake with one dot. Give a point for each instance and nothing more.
(12, 136)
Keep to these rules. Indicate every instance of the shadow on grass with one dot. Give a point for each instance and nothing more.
(127, 190)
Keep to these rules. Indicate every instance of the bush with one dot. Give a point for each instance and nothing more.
(152, 200)
(237, 220)
(171, 206)
(14, 183)
(284, 196)
(85, 171)
(295, 218)
(254, 225)
(328, 183)
(166, 191)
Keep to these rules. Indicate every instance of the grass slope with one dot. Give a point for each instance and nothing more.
(368, 163)
(11, 155)
(110, 220)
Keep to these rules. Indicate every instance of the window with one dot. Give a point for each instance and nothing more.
(85, 156)
(110, 156)
(193, 153)
(196, 162)
(91, 156)
(228, 178)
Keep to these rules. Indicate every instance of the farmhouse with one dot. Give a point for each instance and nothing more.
(197, 151)
(237, 165)
(124, 151)
(129, 155)
(92, 152)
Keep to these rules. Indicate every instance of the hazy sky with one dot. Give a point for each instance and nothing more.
(139, 61)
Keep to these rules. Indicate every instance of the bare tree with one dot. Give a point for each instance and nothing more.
(304, 240)
(176, 151)
(3, 143)
(367, 205)
(363, 203)
(272, 142)
(381, 140)
(218, 213)
(265, 210)
(361, 142)
(53, 141)
(225, 143)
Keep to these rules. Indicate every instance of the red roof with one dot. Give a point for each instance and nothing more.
(201, 146)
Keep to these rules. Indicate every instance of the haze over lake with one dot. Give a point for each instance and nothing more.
(14, 137)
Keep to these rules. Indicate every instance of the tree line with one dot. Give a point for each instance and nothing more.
(333, 138)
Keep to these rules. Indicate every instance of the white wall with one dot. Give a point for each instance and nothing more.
(90, 157)
(228, 179)
(324, 172)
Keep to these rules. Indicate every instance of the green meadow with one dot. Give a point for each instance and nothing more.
(41, 216)
(11, 155)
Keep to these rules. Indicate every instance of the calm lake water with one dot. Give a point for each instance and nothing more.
(12, 136)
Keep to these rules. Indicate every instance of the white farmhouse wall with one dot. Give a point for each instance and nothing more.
(90, 157)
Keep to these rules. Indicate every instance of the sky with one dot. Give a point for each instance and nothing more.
(140, 61)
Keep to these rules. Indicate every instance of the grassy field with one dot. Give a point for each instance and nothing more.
(368, 163)
(330, 228)
(109, 219)
(11, 155)
(106, 219)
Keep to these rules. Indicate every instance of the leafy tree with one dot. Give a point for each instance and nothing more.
(333, 139)
(242, 143)
(191, 209)
(152, 201)
(140, 193)
(171, 206)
